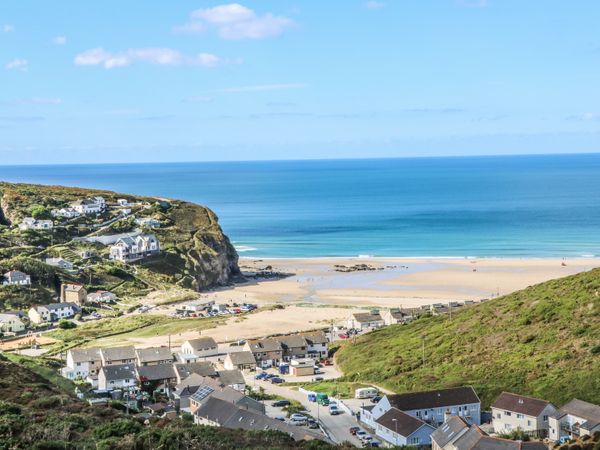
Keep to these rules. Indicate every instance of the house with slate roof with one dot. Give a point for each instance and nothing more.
(574, 419)
(118, 376)
(134, 248)
(518, 412)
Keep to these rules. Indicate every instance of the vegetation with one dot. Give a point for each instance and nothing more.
(37, 414)
(333, 388)
(540, 341)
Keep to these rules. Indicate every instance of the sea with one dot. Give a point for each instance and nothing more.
(495, 206)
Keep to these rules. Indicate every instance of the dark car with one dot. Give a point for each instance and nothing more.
(312, 423)
(281, 403)
(376, 399)
(277, 380)
(353, 430)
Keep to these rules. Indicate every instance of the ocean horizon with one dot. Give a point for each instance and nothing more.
(537, 206)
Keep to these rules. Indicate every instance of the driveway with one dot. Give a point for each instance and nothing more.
(336, 427)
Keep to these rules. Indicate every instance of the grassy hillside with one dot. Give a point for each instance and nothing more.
(542, 341)
(195, 252)
(36, 414)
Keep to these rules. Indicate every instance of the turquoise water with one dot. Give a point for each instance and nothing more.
(509, 206)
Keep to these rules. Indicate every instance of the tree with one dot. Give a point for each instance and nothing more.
(40, 212)
(66, 324)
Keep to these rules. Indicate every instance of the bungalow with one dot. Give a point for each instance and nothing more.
(81, 363)
(29, 223)
(267, 352)
(216, 412)
(11, 323)
(118, 356)
(60, 263)
(240, 360)
(576, 418)
(153, 356)
(363, 321)
(149, 222)
(457, 434)
(68, 213)
(511, 412)
(101, 297)
(16, 278)
(195, 306)
(429, 406)
(399, 428)
(52, 312)
(73, 293)
(89, 205)
(117, 376)
(396, 316)
(317, 344)
(294, 346)
(201, 347)
(232, 378)
(133, 248)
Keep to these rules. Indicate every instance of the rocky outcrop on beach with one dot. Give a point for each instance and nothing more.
(355, 268)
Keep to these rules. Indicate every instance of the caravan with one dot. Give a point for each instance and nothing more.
(366, 392)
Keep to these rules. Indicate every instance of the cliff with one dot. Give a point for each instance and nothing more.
(195, 253)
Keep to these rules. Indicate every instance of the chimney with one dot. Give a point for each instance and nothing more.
(447, 416)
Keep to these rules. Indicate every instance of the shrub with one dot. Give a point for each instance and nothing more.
(595, 350)
(64, 324)
(117, 429)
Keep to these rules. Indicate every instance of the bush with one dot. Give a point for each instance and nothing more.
(39, 212)
(64, 324)
(595, 350)
(117, 429)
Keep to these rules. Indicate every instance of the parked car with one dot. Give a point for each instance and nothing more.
(328, 362)
(277, 380)
(343, 336)
(312, 397)
(361, 434)
(280, 418)
(298, 419)
(318, 379)
(372, 443)
(333, 410)
(312, 423)
(376, 399)
(353, 430)
(281, 403)
(269, 376)
(260, 376)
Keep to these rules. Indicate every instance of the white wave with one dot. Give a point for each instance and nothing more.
(244, 248)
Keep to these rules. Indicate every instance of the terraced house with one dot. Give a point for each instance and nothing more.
(266, 352)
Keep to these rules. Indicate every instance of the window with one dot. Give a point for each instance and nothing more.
(498, 416)
(519, 416)
(507, 413)
(529, 423)
(414, 440)
(545, 418)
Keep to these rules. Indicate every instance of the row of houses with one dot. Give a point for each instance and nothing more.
(450, 419)
(271, 352)
(393, 316)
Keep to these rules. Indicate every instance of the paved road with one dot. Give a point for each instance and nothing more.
(336, 426)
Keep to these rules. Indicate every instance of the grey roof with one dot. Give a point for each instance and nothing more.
(119, 372)
(291, 341)
(55, 306)
(189, 385)
(449, 430)
(367, 317)
(585, 410)
(242, 358)
(118, 353)
(156, 372)
(434, 399)
(232, 416)
(400, 422)
(229, 377)
(202, 343)
(214, 388)
(85, 354)
(204, 368)
(315, 337)
(152, 354)
(264, 345)
(520, 404)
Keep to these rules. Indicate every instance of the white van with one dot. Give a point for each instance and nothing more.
(366, 393)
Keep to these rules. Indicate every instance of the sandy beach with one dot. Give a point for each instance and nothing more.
(318, 291)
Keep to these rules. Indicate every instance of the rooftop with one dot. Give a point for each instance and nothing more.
(520, 404)
(434, 399)
(400, 422)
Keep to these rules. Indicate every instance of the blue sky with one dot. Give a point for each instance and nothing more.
(121, 81)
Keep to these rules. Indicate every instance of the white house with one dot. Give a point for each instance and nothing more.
(60, 263)
(201, 347)
(17, 278)
(511, 412)
(574, 419)
(195, 306)
(132, 248)
(52, 312)
(82, 363)
(89, 205)
(240, 360)
(429, 406)
(398, 428)
(118, 356)
(149, 222)
(68, 213)
(396, 316)
(117, 376)
(317, 344)
(363, 321)
(122, 202)
(11, 323)
(29, 223)
(101, 297)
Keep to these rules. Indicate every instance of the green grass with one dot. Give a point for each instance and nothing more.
(538, 341)
(114, 331)
(45, 368)
(333, 388)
